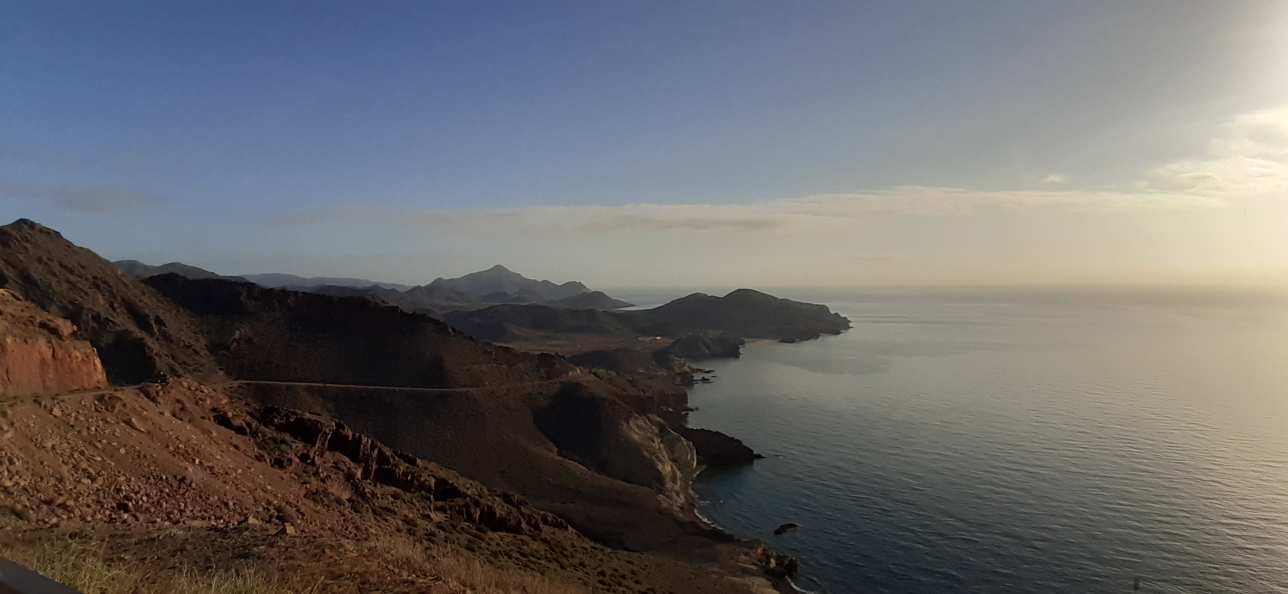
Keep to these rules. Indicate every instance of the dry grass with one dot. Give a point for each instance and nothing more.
(466, 572)
(478, 578)
(82, 567)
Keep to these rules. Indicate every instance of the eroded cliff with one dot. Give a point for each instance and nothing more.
(38, 354)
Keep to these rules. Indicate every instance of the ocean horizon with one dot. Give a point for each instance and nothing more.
(1015, 444)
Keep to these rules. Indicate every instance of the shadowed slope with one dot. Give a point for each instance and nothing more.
(139, 335)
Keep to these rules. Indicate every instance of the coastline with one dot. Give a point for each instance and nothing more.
(785, 584)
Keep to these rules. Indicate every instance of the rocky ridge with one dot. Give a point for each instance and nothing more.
(139, 335)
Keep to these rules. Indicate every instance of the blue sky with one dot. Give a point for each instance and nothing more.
(611, 140)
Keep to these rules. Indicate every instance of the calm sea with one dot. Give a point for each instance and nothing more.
(1031, 443)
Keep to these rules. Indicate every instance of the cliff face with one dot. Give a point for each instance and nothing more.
(38, 354)
(604, 434)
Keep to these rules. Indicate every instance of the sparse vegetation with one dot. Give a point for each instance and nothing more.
(83, 568)
(478, 578)
(466, 573)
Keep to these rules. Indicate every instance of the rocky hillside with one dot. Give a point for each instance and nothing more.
(335, 408)
(38, 354)
(273, 334)
(138, 334)
(181, 484)
(501, 322)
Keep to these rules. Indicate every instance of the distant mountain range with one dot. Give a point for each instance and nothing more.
(138, 269)
(494, 286)
(743, 313)
(277, 280)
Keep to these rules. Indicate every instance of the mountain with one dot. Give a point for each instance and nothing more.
(748, 314)
(138, 269)
(499, 284)
(275, 280)
(589, 300)
(743, 313)
(138, 333)
(493, 286)
(496, 285)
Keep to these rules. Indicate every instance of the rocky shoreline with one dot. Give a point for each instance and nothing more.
(718, 449)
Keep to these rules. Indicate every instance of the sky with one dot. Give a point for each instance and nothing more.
(633, 144)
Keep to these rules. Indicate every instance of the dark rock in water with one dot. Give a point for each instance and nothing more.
(789, 340)
(785, 528)
(717, 449)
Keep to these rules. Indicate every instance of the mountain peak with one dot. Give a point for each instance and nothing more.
(499, 268)
(28, 225)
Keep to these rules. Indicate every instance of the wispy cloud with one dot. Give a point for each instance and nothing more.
(79, 199)
(1248, 158)
(809, 213)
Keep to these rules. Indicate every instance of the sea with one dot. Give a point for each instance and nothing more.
(1027, 442)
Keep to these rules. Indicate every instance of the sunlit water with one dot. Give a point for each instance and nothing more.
(1016, 445)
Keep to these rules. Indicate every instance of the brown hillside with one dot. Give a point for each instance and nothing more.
(275, 334)
(138, 334)
(180, 482)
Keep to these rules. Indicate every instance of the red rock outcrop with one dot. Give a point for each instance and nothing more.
(38, 355)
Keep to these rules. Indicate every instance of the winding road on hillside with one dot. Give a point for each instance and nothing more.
(111, 389)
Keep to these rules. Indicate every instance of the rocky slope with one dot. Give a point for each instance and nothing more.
(181, 478)
(138, 334)
(589, 449)
(38, 354)
(273, 334)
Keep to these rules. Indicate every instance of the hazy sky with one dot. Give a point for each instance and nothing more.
(659, 143)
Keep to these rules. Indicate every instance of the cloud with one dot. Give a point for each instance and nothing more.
(802, 214)
(83, 200)
(1247, 159)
